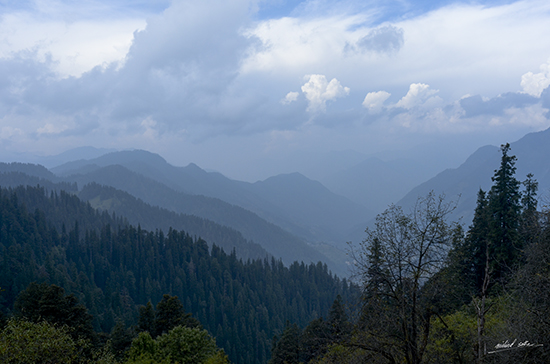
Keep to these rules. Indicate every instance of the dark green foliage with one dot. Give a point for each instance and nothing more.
(500, 230)
(115, 268)
(287, 349)
(338, 322)
(121, 340)
(152, 217)
(505, 209)
(146, 320)
(48, 302)
(170, 313)
(297, 346)
(529, 222)
(466, 263)
(531, 288)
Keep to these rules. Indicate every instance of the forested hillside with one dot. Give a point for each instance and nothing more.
(113, 267)
(151, 218)
(277, 241)
(435, 293)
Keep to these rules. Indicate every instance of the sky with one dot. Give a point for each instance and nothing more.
(252, 88)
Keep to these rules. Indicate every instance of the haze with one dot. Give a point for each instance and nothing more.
(256, 88)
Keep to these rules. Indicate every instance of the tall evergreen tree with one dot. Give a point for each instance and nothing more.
(476, 245)
(146, 320)
(505, 208)
(170, 313)
(529, 224)
(49, 303)
(287, 349)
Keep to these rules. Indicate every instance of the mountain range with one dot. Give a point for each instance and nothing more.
(288, 216)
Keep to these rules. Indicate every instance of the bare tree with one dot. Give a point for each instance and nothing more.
(400, 254)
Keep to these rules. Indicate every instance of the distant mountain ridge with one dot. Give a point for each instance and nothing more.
(272, 238)
(301, 206)
(532, 152)
(462, 184)
(390, 179)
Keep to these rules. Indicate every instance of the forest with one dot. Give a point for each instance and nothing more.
(102, 264)
(83, 286)
(435, 293)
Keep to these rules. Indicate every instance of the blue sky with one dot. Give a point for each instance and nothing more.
(250, 88)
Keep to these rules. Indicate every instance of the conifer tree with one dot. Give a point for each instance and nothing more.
(146, 320)
(529, 224)
(505, 209)
(476, 245)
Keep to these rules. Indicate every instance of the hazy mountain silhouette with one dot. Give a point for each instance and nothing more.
(376, 183)
(271, 237)
(531, 151)
(151, 218)
(463, 183)
(301, 206)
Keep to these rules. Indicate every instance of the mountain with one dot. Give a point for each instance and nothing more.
(300, 205)
(376, 183)
(272, 238)
(114, 268)
(152, 218)
(310, 204)
(464, 182)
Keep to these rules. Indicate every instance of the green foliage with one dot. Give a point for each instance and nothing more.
(422, 304)
(297, 346)
(42, 342)
(121, 340)
(504, 204)
(337, 354)
(170, 313)
(183, 345)
(113, 268)
(48, 302)
(146, 320)
(286, 350)
(143, 348)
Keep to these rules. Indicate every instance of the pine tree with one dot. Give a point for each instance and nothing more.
(504, 204)
(287, 350)
(529, 224)
(146, 320)
(476, 244)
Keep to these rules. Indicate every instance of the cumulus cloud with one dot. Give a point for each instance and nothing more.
(290, 97)
(534, 83)
(374, 100)
(318, 91)
(419, 94)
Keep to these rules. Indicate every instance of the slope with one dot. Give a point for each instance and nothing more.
(272, 238)
(300, 205)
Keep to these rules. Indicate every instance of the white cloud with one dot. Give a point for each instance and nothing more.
(290, 97)
(199, 70)
(318, 91)
(374, 101)
(418, 95)
(75, 46)
(535, 83)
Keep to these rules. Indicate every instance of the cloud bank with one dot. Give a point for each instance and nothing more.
(193, 72)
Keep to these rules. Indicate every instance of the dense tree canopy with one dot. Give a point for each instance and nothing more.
(113, 268)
